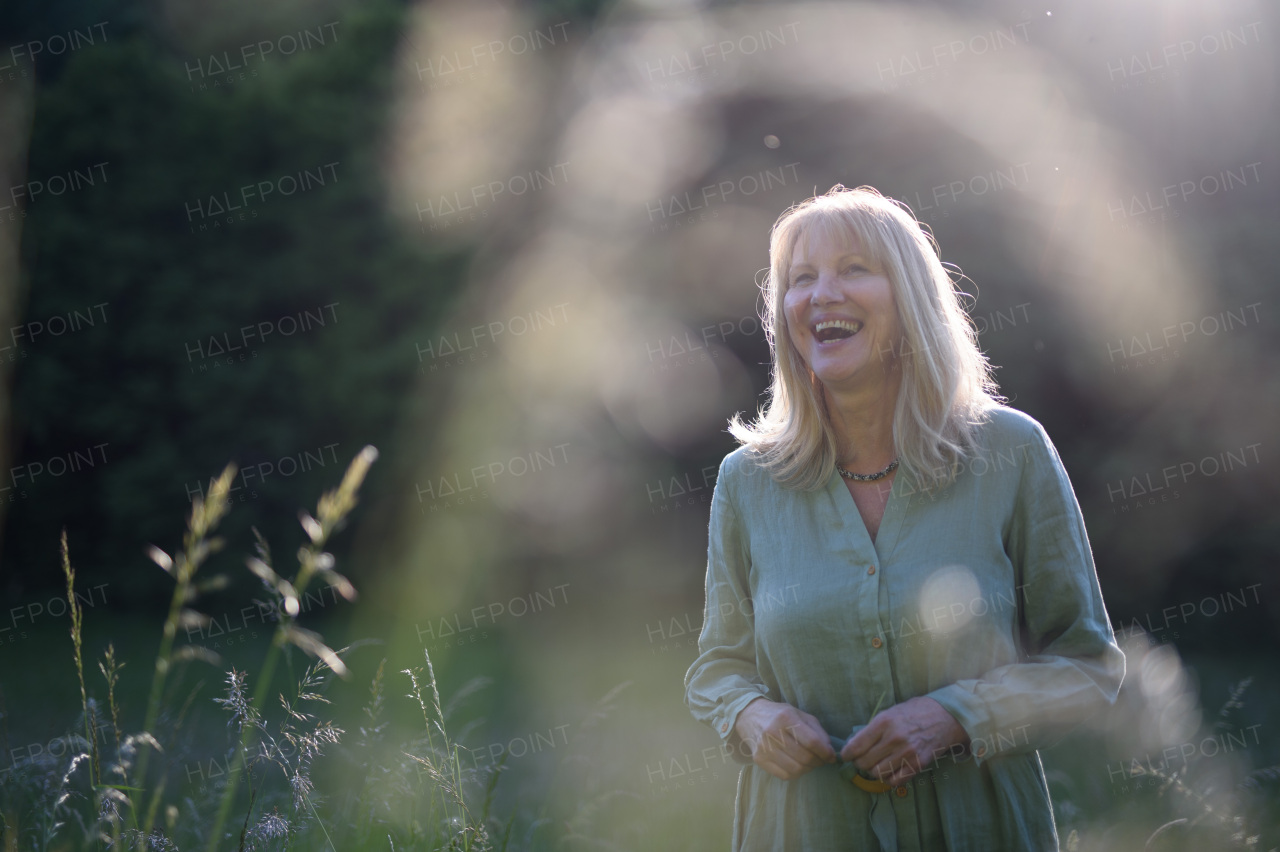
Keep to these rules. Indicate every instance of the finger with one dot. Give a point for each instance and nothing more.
(790, 756)
(804, 756)
(807, 761)
(882, 761)
(871, 735)
(881, 752)
(771, 740)
(813, 722)
(813, 740)
(781, 747)
(813, 761)
(890, 742)
(854, 748)
(775, 771)
(782, 765)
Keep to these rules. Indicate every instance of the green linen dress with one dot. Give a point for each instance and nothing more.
(982, 596)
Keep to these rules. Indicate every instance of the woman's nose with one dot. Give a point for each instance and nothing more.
(826, 290)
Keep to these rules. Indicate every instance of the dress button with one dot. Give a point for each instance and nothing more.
(980, 750)
(876, 643)
(901, 791)
(871, 570)
(724, 727)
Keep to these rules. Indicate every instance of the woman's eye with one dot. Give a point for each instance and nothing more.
(802, 278)
(857, 267)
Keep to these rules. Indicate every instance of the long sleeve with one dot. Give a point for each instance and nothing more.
(804, 608)
(1070, 666)
(724, 678)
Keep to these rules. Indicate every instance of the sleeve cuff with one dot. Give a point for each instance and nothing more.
(972, 715)
(725, 722)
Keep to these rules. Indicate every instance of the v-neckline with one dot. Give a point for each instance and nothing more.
(887, 535)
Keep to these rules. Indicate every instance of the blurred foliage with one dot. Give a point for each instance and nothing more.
(128, 381)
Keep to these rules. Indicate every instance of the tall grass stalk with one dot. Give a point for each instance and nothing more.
(197, 546)
(110, 669)
(77, 621)
(448, 777)
(331, 511)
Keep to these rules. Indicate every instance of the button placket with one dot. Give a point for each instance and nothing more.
(877, 677)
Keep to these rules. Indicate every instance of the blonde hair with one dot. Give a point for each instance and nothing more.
(947, 384)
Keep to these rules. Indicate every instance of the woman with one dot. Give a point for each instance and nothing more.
(902, 605)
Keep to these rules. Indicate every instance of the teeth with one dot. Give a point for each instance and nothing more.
(851, 326)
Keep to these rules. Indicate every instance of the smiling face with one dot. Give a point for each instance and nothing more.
(840, 311)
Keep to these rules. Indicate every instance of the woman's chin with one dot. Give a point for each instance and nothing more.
(839, 376)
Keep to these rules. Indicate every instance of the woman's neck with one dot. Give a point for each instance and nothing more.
(862, 420)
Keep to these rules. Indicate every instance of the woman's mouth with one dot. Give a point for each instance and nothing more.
(830, 331)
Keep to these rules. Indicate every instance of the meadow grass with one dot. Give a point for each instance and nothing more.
(112, 790)
(289, 777)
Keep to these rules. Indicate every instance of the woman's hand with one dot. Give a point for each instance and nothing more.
(784, 741)
(902, 740)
